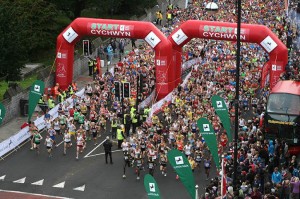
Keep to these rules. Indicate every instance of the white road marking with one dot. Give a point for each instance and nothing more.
(60, 143)
(35, 194)
(21, 181)
(60, 185)
(39, 183)
(2, 178)
(102, 153)
(87, 155)
(82, 188)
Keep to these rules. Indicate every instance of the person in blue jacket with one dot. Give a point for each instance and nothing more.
(271, 148)
(276, 176)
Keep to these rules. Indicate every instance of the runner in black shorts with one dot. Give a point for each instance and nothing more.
(163, 163)
(143, 146)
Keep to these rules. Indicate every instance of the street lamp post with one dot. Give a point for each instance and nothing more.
(237, 89)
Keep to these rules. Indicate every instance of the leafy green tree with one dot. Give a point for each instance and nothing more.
(104, 8)
(27, 27)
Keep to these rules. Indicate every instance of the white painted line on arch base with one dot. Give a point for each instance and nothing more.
(34, 194)
(102, 153)
(87, 155)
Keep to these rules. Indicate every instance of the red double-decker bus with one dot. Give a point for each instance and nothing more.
(282, 119)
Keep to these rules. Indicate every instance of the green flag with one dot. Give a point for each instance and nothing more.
(151, 187)
(2, 112)
(36, 92)
(222, 111)
(209, 136)
(183, 169)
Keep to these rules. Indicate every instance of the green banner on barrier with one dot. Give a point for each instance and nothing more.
(2, 112)
(36, 92)
(183, 169)
(151, 187)
(222, 111)
(208, 133)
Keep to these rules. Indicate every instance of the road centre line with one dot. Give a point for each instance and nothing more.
(102, 153)
(35, 194)
(94, 149)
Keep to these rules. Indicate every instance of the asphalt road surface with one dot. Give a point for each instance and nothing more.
(87, 178)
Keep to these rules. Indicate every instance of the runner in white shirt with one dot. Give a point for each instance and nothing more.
(52, 134)
(139, 133)
(56, 126)
(72, 129)
(87, 125)
(48, 124)
(125, 145)
(67, 142)
(187, 149)
(152, 153)
(66, 111)
(80, 144)
(132, 141)
(49, 144)
(172, 138)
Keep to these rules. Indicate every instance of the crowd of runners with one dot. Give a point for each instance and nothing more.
(266, 169)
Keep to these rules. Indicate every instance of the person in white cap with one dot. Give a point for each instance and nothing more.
(107, 149)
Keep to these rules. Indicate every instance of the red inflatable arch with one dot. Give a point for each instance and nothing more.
(278, 53)
(165, 76)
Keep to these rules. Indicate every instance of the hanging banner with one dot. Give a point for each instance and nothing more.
(36, 91)
(277, 69)
(264, 73)
(209, 136)
(2, 113)
(222, 111)
(151, 187)
(183, 169)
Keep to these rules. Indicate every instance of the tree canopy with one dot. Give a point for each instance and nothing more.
(30, 27)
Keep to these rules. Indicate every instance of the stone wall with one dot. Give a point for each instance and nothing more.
(12, 106)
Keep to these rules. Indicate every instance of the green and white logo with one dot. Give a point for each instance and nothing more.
(37, 88)
(219, 104)
(206, 127)
(208, 133)
(36, 91)
(179, 160)
(152, 187)
(222, 111)
(183, 169)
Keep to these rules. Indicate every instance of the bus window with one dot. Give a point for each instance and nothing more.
(284, 103)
